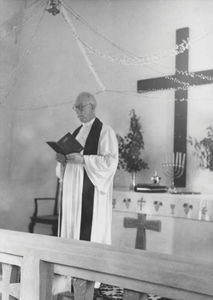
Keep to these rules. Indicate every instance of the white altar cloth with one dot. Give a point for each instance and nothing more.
(191, 206)
(186, 227)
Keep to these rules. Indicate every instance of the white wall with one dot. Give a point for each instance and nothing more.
(54, 71)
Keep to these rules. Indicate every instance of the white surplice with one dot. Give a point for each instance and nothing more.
(100, 169)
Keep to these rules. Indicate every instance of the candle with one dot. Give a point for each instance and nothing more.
(176, 161)
(180, 159)
(183, 161)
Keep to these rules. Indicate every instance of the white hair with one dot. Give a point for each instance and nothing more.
(90, 97)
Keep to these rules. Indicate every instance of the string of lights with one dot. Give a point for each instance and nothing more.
(185, 73)
(12, 79)
(25, 20)
(82, 49)
(132, 59)
(178, 48)
(185, 84)
(78, 17)
(127, 60)
(191, 74)
(82, 43)
(84, 21)
(146, 96)
(35, 108)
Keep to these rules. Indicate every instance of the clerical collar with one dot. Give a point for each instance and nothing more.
(88, 123)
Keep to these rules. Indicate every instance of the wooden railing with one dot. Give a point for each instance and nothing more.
(40, 257)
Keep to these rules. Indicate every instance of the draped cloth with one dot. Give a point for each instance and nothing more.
(99, 168)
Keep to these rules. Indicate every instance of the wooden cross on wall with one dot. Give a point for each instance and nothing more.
(176, 82)
(142, 225)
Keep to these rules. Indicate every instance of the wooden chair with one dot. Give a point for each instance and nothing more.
(51, 219)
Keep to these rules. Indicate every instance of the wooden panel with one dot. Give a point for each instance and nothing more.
(8, 285)
(36, 278)
(136, 285)
(10, 259)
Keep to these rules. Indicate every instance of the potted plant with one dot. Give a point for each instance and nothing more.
(130, 148)
(203, 149)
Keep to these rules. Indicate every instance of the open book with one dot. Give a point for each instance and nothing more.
(66, 145)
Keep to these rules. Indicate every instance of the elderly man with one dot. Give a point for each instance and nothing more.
(87, 186)
(88, 177)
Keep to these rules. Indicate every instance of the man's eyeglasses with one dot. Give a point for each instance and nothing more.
(80, 107)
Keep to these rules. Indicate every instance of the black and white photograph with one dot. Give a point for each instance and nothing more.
(106, 157)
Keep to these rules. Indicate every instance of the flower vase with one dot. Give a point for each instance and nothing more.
(133, 181)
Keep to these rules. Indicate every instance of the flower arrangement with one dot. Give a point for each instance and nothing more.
(130, 147)
(204, 149)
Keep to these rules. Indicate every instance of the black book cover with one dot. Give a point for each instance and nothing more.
(150, 188)
(66, 145)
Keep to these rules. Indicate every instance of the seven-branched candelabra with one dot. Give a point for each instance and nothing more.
(173, 167)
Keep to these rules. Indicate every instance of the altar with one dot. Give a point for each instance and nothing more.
(186, 222)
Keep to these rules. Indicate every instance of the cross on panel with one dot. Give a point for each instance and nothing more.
(141, 202)
(142, 225)
(181, 81)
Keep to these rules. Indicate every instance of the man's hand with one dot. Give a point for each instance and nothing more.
(75, 158)
(61, 158)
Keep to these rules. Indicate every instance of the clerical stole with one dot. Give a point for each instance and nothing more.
(91, 148)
